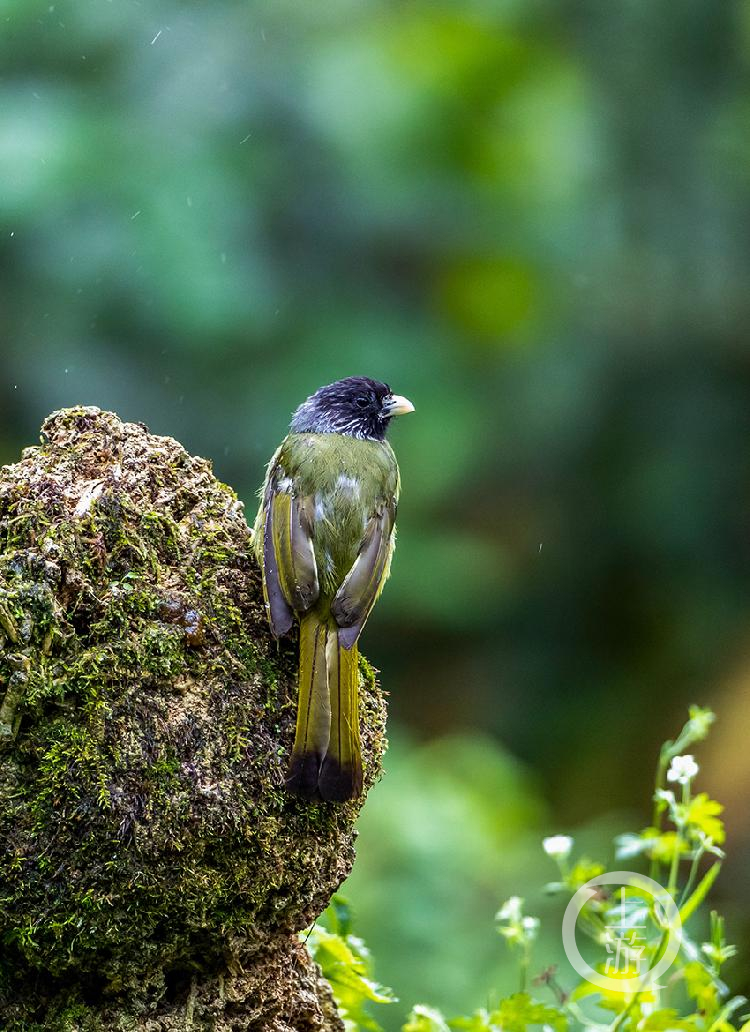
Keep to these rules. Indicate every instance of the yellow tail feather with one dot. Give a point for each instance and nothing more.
(341, 773)
(326, 760)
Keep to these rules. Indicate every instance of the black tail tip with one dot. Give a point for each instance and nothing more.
(330, 780)
(302, 778)
(339, 782)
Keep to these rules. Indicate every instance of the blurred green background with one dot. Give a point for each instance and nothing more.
(533, 219)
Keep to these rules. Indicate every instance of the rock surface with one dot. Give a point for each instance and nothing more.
(155, 873)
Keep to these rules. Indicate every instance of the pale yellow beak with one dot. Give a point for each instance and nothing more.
(397, 405)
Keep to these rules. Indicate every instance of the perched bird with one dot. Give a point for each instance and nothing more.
(324, 537)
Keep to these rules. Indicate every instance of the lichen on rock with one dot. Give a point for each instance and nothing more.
(154, 868)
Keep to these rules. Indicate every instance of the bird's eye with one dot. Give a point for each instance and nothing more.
(362, 401)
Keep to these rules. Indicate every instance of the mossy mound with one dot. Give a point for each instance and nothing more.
(146, 722)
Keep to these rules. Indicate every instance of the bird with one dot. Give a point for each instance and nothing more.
(324, 537)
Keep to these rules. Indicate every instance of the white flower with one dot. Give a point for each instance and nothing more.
(663, 795)
(530, 926)
(630, 845)
(510, 910)
(682, 769)
(558, 846)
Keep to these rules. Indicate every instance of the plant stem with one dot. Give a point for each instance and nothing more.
(524, 968)
(700, 851)
(656, 817)
(622, 1016)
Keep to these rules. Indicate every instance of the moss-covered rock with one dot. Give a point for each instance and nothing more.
(150, 852)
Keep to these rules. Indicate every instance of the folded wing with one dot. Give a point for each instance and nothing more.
(290, 573)
(360, 588)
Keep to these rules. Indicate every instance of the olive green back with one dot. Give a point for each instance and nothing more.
(345, 480)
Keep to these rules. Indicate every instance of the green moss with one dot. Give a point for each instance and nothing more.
(147, 716)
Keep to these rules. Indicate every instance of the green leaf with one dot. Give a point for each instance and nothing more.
(425, 1019)
(582, 871)
(337, 917)
(721, 1024)
(701, 987)
(345, 963)
(519, 1012)
(661, 845)
(666, 1019)
(702, 813)
(479, 1021)
(700, 892)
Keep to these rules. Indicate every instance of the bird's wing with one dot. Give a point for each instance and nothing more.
(363, 583)
(290, 574)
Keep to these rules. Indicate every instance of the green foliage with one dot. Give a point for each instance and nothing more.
(425, 1019)
(430, 837)
(682, 846)
(345, 961)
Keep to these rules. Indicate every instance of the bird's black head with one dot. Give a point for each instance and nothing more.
(356, 406)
